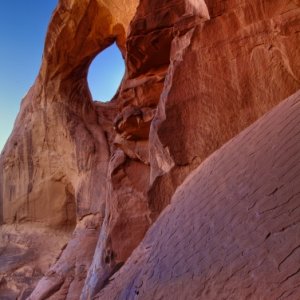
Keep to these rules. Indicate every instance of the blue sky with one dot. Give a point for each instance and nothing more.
(105, 73)
(23, 26)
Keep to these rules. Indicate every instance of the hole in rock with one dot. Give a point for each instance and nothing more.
(106, 73)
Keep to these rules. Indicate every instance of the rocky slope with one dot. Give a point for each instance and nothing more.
(232, 228)
(91, 178)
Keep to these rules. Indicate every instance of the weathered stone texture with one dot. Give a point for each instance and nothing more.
(224, 74)
(198, 72)
(232, 228)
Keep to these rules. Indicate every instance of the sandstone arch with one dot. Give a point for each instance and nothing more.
(58, 112)
(196, 75)
(61, 89)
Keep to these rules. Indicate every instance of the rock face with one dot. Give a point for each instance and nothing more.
(197, 74)
(232, 228)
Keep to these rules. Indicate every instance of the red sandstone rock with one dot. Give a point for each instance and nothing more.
(232, 228)
(197, 74)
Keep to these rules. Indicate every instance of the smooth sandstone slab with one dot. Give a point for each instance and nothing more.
(232, 230)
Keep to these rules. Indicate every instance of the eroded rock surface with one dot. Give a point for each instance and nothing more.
(197, 74)
(232, 228)
(27, 252)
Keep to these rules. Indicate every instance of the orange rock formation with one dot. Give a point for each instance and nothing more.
(81, 182)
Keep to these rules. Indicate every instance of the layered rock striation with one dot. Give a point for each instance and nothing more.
(96, 176)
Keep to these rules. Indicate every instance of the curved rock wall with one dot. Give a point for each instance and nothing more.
(224, 74)
(57, 143)
(232, 228)
(55, 163)
(197, 73)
